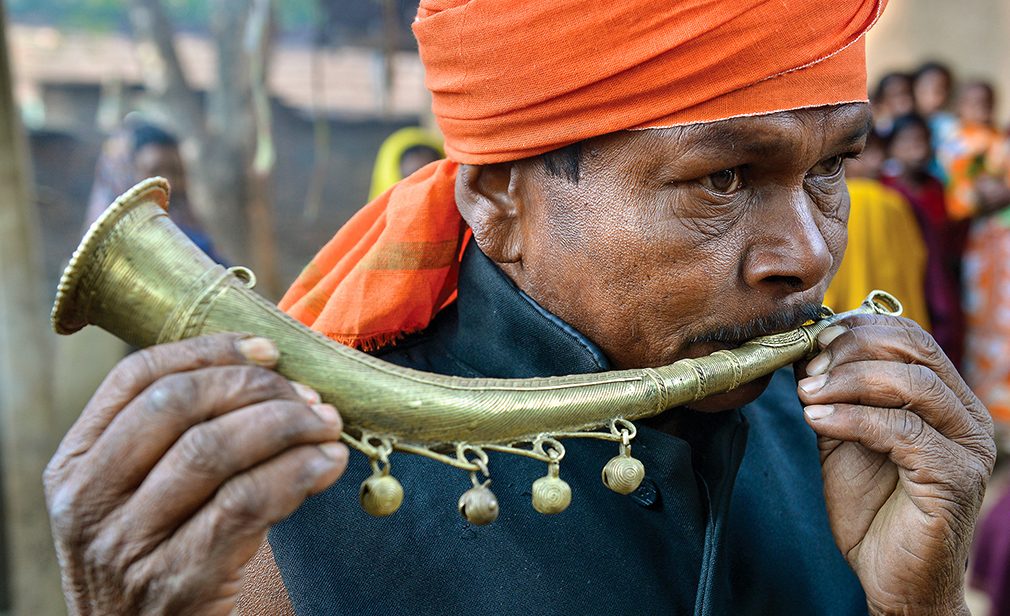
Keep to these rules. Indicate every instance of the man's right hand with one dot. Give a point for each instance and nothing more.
(166, 485)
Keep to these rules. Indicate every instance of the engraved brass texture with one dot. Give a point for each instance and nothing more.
(139, 277)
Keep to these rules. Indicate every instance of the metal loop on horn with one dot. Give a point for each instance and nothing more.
(246, 275)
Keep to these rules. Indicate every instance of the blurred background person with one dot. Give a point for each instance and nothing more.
(906, 171)
(401, 154)
(974, 156)
(979, 191)
(932, 85)
(885, 249)
(141, 150)
(990, 559)
(892, 98)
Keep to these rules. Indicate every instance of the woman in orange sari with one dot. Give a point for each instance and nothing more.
(979, 189)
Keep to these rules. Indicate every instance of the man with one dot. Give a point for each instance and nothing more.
(643, 183)
(141, 150)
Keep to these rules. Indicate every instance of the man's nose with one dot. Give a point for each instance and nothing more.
(788, 253)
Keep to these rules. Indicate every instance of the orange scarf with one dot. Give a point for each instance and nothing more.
(510, 80)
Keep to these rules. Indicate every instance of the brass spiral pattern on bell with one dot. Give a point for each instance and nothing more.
(479, 505)
(381, 494)
(623, 474)
(551, 494)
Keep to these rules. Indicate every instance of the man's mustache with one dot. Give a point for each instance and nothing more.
(762, 326)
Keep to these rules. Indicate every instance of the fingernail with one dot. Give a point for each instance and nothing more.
(818, 411)
(259, 350)
(334, 451)
(327, 413)
(829, 334)
(819, 364)
(814, 383)
(308, 394)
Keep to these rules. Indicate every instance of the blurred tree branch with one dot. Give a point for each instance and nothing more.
(222, 137)
(163, 74)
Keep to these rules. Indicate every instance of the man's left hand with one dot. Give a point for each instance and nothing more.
(906, 452)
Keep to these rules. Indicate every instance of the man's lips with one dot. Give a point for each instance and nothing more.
(734, 335)
(702, 347)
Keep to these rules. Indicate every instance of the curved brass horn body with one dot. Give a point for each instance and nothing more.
(138, 276)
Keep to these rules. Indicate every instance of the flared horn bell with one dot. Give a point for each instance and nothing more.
(131, 269)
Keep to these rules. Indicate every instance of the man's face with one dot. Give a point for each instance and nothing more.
(975, 106)
(682, 241)
(931, 91)
(897, 96)
(157, 159)
(910, 146)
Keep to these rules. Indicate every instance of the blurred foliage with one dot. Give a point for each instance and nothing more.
(110, 15)
(326, 22)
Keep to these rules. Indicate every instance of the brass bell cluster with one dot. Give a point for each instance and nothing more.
(381, 494)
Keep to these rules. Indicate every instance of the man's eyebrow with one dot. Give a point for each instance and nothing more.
(859, 134)
(742, 140)
(738, 140)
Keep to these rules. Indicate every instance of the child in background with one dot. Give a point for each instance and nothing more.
(932, 86)
(892, 98)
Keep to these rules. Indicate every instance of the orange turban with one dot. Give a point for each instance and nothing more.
(512, 79)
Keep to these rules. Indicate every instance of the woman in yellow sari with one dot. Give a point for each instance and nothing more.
(885, 250)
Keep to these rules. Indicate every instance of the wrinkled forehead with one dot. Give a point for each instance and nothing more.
(797, 133)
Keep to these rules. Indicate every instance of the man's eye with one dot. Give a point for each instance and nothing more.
(726, 181)
(828, 167)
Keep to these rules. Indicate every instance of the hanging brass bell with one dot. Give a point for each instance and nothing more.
(381, 494)
(623, 474)
(479, 505)
(551, 494)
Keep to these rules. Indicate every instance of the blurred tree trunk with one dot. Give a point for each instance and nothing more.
(221, 136)
(28, 435)
(390, 34)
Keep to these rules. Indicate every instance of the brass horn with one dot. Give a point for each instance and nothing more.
(136, 275)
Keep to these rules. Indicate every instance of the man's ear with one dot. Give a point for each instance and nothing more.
(491, 204)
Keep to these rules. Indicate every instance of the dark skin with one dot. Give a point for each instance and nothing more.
(748, 214)
(671, 239)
